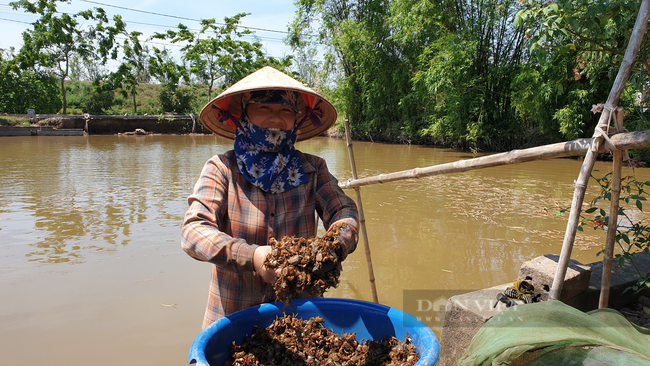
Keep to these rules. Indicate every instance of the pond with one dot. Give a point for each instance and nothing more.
(91, 268)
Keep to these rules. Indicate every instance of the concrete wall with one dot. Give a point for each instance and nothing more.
(103, 125)
(39, 131)
(18, 131)
(117, 124)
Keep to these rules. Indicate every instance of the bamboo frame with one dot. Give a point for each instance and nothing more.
(362, 218)
(585, 172)
(621, 141)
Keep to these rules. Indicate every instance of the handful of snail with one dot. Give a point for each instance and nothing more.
(308, 267)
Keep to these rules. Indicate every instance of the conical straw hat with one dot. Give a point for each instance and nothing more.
(216, 115)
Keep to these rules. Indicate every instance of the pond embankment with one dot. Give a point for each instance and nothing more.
(50, 125)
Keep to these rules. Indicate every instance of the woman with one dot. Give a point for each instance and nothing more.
(264, 188)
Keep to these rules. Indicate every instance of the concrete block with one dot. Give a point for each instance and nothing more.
(465, 315)
(542, 270)
(622, 277)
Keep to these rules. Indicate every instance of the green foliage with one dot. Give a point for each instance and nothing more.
(176, 99)
(448, 104)
(216, 53)
(101, 98)
(465, 74)
(134, 67)
(374, 77)
(585, 43)
(426, 70)
(565, 26)
(23, 90)
(14, 121)
(632, 233)
(490, 75)
(79, 95)
(163, 67)
(480, 74)
(56, 38)
(558, 97)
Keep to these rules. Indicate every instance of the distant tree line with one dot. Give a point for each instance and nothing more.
(480, 74)
(58, 48)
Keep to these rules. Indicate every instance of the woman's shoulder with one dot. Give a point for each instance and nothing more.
(226, 160)
(309, 157)
(310, 162)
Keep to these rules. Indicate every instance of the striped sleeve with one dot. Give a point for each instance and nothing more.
(203, 237)
(333, 203)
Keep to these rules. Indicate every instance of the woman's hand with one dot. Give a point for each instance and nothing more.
(267, 274)
(348, 236)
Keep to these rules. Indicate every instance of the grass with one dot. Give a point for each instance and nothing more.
(14, 121)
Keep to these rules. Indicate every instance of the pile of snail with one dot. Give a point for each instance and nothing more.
(294, 341)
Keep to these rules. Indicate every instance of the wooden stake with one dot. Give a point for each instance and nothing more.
(585, 172)
(362, 218)
(612, 226)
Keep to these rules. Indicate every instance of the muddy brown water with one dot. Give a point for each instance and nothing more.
(91, 269)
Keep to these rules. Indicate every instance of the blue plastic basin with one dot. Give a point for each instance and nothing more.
(370, 321)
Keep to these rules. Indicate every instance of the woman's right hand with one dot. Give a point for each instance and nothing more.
(267, 274)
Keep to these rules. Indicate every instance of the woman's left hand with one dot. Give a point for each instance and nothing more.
(267, 274)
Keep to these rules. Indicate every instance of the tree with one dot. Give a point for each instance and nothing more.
(470, 68)
(18, 88)
(55, 40)
(308, 64)
(87, 69)
(589, 41)
(170, 74)
(356, 36)
(101, 96)
(217, 52)
(134, 67)
(432, 69)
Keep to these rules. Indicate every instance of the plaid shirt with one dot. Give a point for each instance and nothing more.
(228, 217)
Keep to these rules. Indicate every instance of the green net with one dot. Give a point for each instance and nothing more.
(552, 333)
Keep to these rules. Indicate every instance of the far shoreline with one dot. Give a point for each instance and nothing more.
(182, 124)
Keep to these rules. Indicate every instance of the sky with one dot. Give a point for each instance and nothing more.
(150, 16)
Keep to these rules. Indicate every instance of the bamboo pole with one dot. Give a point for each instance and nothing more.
(612, 226)
(621, 141)
(362, 218)
(585, 172)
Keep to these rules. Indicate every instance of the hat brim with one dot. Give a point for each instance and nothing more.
(266, 78)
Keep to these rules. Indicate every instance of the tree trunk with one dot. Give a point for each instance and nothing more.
(135, 106)
(65, 101)
(64, 75)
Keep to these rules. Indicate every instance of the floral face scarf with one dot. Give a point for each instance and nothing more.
(267, 158)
